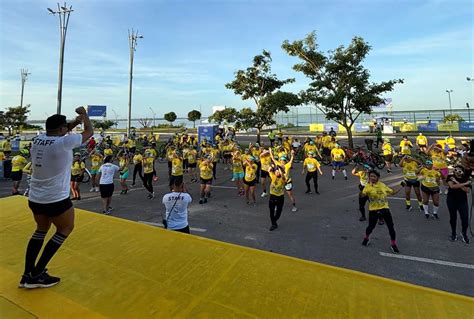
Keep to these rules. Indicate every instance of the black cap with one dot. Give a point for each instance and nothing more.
(55, 121)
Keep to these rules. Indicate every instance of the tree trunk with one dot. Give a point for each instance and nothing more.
(258, 135)
(194, 124)
(349, 136)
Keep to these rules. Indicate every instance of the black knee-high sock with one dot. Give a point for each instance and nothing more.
(49, 250)
(33, 249)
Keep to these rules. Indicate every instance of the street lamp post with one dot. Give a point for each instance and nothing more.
(469, 79)
(154, 115)
(116, 118)
(449, 96)
(132, 40)
(468, 112)
(63, 14)
(24, 76)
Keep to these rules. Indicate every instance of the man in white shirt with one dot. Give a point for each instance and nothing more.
(51, 158)
(176, 204)
(106, 184)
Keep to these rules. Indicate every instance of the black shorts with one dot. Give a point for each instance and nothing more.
(77, 178)
(227, 155)
(388, 158)
(106, 190)
(326, 151)
(182, 230)
(176, 180)
(264, 174)
(251, 183)
(50, 209)
(192, 165)
(17, 176)
(206, 181)
(412, 183)
(429, 190)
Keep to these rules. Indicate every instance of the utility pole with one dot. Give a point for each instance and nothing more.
(154, 116)
(449, 96)
(63, 14)
(24, 76)
(132, 40)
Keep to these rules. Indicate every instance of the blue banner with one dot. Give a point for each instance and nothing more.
(466, 126)
(360, 127)
(335, 127)
(97, 110)
(428, 127)
(207, 132)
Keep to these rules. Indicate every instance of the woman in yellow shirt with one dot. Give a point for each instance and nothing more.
(148, 168)
(77, 174)
(123, 173)
(430, 181)
(338, 157)
(96, 162)
(250, 179)
(137, 168)
(388, 154)
(277, 194)
(176, 177)
(238, 172)
(363, 175)
(266, 163)
(438, 158)
(312, 166)
(410, 168)
(377, 193)
(286, 166)
(205, 169)
(191, 158)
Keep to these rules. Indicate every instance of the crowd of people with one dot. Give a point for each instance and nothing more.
(258, 170)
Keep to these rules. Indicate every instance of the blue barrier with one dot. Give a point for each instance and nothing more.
(466, 126)
(428, 127)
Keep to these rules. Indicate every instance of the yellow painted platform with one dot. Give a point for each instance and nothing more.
(113, 268)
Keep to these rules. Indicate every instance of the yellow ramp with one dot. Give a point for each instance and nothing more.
(114, 268)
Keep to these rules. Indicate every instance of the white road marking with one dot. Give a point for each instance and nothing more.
(402, 198)
(228, 187)
(114, 194)
(199, 230)
(428, 260)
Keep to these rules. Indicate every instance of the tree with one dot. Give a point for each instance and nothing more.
(193, 116)
(256, 83)
(340, 85)
(170, 117)
(145, 123)
(103, 125)
(453, 118)
(228, 115)
(14, 117)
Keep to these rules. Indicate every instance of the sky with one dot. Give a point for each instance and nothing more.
(191, 49)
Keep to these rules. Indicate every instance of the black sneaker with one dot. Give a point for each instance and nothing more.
(345, 177)
(395, 249)
(453, 237)
(205, 200)
(273, 227)
(408, 207)
(317, 192)
(23, 280)
(362, 219)
(464, 238)
(201, 201)
(42, 280)
(308, 192)
(427, 216)
(365, 242)
(435, 216)
(333, 177)
(421, 209)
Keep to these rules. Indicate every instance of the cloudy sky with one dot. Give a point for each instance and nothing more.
(191, 49)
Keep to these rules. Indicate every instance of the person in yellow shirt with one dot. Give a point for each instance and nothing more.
(325, 142)
(18, 163)
(422, 142)
(191, 158)
(205, 173)
(2, 156)
(238, 171)
(405, 146)
(287, 144)
(28, 170)
(311, 146)
(450, 142)
(77, 174)
(410, 168)
(430, 181)
(388, 154)
(123, 173)
(176, 177)
(137, 168)
(277, 194)
(266, 163)
(169, 157)
(363, 173)
(131, 146)
(215, 153)
(286, 165)
(312, 166)
(338, 157)
(7, 147)
(439, 158)
(148, 169)
(377, 192)
(108, 151)
(96, 162)
(250, 178)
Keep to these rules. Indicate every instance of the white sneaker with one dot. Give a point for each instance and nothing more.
(232, 180)
(92, 189)
(97, 189)
(445, 192)
(294, 209)
(263, 195)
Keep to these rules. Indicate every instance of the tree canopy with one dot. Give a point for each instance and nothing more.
(194, 116)
(170, 117)
(14, 117)
(103, 125)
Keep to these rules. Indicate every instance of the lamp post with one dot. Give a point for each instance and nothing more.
(449, 96)
(132, 40)
(469, 79)
(63, 14)
(154, 115)
(468, 112)
(24, 76)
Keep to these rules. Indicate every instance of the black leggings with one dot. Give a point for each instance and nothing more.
(374, 216)
(314, 177)
(456, 205)
(214, 168)
(276, 202)
(362, 201)
(170, 165)
(148, 181)
(137, 169)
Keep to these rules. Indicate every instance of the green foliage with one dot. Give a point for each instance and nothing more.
(170, 117)
(32, 127)
(340, 85)
(103, 125)
(228, 115)
(453, 118)
(193, 116)
(14, 117)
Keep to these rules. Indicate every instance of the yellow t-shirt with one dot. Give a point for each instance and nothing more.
(77, 168)
(409, 170)
(363, 177)
(123, 164)
(421, 140)
(439, 160)
(27, 169)
(287, 145)
(326, 141)
(153, 152)
(338, 154)
(2, 156)
(287, 172)
(96, 160)
(256, 152)
(177, 167)
(266, 162)
(137, 159)
(377, 194)
(237, 166)
(277, 185)
(405, 147)
(18, 162)
(309, 148)
(311, 164)
(451, 142)
(250, 172)
(191, 156)
(387, 149)
(215, 155)
(7, 146)
(148, 165)
(108, 151)
(130, 143)
(169, 154)
(430, 177)
(205, 170)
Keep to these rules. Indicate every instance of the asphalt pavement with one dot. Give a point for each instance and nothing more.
(325, 229)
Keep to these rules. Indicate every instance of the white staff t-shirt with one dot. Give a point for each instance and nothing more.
(178, 218)
(107, 172)
(51, 158)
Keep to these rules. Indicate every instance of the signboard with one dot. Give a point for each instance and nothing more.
(466, 126)
(407, 127)
(316, 127)
(361, 127)
(97, 110)
(428, 127)
(207, 132)
(448, 127)
(335, 127)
